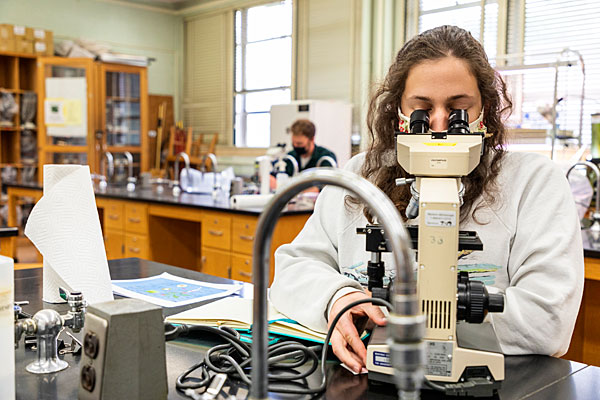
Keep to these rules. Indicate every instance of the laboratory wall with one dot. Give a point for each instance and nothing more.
(127, 28)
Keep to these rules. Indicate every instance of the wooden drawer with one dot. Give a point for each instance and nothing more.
(216, 231)
(241, 268)
(136, 246)
(114, 243)
(136, 218)
(242, 234)
(215, 262)
(114, 215)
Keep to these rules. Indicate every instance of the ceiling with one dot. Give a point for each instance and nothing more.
(169, 4)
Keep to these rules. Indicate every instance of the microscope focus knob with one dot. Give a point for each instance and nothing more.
(476, 309)
(474, 301)
(495, 303)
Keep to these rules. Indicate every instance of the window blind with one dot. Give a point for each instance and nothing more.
(551, 26)
(208, 48)
(465, 14)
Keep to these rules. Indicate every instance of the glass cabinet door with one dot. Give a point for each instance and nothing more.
(122, 109)
(66, 111)
(123, 103)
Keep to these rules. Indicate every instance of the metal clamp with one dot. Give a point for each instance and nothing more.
(46, 325)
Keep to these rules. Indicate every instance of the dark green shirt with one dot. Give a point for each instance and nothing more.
(312, 163)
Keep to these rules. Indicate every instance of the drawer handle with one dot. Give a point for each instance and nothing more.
(246, 237)
(215, 233)
(203, 260)
(134, 250)
(245, 274)
(135, 220)
(134, 239)
(113, 216)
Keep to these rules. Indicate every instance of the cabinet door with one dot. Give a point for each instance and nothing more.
(114, 215)
(114, 242)
(216, 231)
(136, 246)
(216, 262)
(241, 268)
(136, 217)
(242, 234)
(123, 110)
(66, 84)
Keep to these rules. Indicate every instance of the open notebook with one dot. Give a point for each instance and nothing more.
(236, 313)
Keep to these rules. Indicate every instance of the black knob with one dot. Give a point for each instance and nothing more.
(419, 121)
(88, 377)
(458, 122)
(473, 300)
(495, 303)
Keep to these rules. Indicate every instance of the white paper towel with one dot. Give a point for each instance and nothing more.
(65, 228)
(240, 201)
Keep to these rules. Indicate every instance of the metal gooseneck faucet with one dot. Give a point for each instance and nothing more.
(213, 160)
(406, 326)
(130, 177)
(294, 163)
(596, 214)
(107, 169)
(329, 159)
(186, 159)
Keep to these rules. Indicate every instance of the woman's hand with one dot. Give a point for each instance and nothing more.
(345, 339)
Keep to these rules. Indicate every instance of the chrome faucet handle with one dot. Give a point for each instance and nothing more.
(131, 183)
(102, 185)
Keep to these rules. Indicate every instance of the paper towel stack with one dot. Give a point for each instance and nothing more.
(65, 227)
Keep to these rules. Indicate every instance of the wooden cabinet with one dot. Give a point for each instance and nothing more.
(66, 110)
(123, 108)
(125, 227)
(136, 245)
(216, 230)
(18, 132)
(228, 242)
(114, 243)
(241, 267)
(216, 262)
(105, 108)
(216, 244)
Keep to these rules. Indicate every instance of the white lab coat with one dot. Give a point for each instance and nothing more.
(532, 253)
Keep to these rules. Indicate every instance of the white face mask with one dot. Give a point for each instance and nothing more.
(474, 127)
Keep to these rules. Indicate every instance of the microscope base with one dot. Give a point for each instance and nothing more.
(473, 366)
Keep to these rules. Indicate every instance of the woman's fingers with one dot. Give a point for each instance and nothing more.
(344, 352)
(374, 313)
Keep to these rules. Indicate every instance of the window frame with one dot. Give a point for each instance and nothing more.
(243, 139)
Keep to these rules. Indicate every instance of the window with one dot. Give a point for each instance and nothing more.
(263, 69)
(550, 27)
(465, 14)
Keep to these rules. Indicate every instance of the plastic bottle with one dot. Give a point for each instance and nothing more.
(7, 329)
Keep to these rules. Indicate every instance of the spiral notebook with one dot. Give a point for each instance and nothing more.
(236, 313)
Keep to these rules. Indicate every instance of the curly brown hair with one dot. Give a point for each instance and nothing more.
(382, 117)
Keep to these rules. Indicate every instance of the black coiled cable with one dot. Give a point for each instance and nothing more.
(234, 357)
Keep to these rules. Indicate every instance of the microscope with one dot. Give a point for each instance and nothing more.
(463, 356)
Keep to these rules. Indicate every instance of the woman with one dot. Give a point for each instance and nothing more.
(519, 204)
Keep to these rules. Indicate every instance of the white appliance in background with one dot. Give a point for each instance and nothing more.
(332, 119)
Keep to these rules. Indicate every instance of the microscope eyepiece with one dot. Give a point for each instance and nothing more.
(419, 121)
(458, 122)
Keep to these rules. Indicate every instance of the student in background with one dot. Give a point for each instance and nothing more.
(306, 152)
